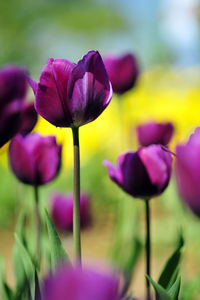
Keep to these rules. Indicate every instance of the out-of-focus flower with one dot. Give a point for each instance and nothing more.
(187, 170)
(80, 284)
(142, 174)
(62, 210)
(35, 159)
(71, 95)
(155, 133)
(13, 88)
(123, 72)
(28, 119)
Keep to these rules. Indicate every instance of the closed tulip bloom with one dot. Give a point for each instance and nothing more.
(13, 88)
(71, 95)
(123, 72)
(62, 211)
(187, 170)
(142, 174)
(29, 118)
(155, 133)
(34, 159)
(80, 284)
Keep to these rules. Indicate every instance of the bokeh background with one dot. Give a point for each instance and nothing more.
(164, 36)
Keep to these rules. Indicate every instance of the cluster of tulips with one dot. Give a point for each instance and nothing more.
(72, 95)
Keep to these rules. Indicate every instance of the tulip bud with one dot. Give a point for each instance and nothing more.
(142, 174)
(71, 95)
(187, 170)
(62, 211)
(28, 119)
(13, 88)
(155, 133)
(80, 284)
(123, 72)
(34, 159)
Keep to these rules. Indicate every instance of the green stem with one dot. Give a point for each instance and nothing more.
(148, 247)
(76, 208)
(38, 223)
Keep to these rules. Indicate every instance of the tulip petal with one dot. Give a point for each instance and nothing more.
(21, 161)
(89, 89)
(51, 95)
(29, 118)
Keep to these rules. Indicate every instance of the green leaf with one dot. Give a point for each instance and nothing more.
(175, 289)
(58, 253)
(28, 266)
(162, 294)
(171, 265)
(6, 291)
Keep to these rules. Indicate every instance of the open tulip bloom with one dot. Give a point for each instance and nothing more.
(35, 160)
(71, 95)
(143, 174)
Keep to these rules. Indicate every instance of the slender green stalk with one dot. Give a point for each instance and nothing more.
(38, 223)
(148, 248)
(76, 209)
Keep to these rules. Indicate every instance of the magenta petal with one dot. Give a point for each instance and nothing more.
(89, 89)
(114, 172)
(51, 96)
(33, 84)
(29, 118)
(21, 161)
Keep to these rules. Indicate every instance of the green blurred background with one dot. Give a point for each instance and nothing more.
(164, 36)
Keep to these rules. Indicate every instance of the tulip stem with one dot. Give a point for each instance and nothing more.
(148, 247)
(76, 207)
(38, 223)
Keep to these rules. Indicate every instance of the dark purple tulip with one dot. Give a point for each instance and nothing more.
(29, 118)
(13, 88)
(71, 95)
(123, 72)
(62, 211)
(35, 159)
(187, 167)
(142, 174)
(155, 133)
(80, 284)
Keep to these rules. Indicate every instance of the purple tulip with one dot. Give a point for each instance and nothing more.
(123, 72)
(13, 88)
(155, 133)
(71, 95)
(142, 174)
(28, 119)
(187, 169)
(35, 159)
(80, 284)
(62, 211)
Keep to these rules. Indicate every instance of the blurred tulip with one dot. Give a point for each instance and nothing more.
(13, 88)
(123, 72)
(187, 170)
(155, 133)
(80, 284)
(71, 95)
(142, 174)
(62, 211)
(34, 159)
(29, 118)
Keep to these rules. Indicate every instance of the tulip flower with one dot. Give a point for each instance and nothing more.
(35, 160)
(143, 174)
(77, 284)
(62, 211)
(28, 119)
(155, 133)
(123, 72)
(71, 95)
(13, 88)
(187, 170)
